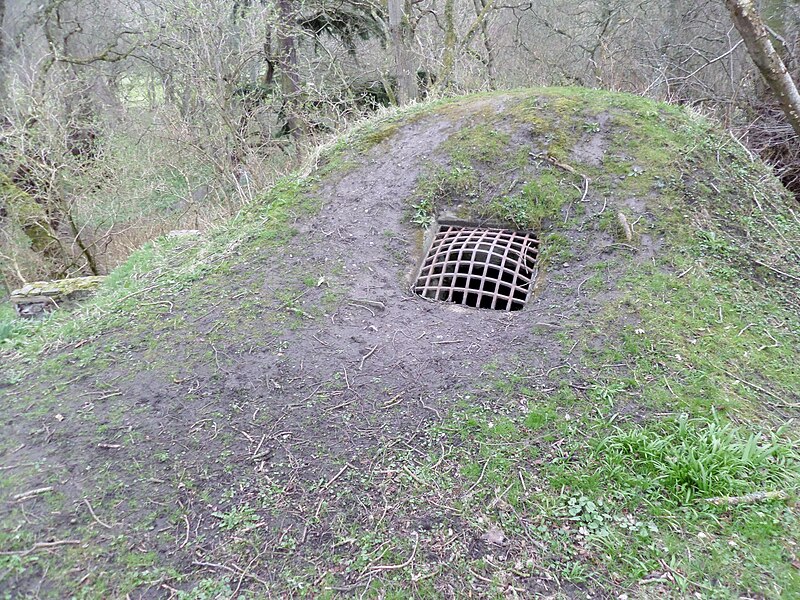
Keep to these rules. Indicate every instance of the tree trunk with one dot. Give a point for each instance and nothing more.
(450, 40)
(404, 71)
(287, 61)
(2, 18)
(2, 51)
(452, 45)
(480, 7)
(769, 63)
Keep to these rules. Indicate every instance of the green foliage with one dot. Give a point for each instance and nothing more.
(9, 324)
(22, 208)
(555, 247)
(437, 186)
(539, 417)
(479, 143)
(540, 199)
(686, 459)
(593, 518)
(424, 214)
(375, 134)
(713, 243)
(237, 517)
(26, 214)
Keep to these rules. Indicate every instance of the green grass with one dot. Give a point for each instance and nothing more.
(9, 324)
(540, 199)
(629, 496)
(439, 186)
(208, 589)
(483, 143)
(680, 461)
(237, 517)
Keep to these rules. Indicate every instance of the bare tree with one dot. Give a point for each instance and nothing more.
(290, 78)
(399, 31)
(2, 18)
(754, 33)
(481, 10)
(123, 119)
(2, 50)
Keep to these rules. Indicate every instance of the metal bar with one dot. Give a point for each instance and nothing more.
(467, 265)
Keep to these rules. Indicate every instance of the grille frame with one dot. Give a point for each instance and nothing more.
(478, 266)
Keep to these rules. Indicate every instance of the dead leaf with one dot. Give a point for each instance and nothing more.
(495, 536)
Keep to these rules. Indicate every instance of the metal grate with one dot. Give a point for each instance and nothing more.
(482, 268)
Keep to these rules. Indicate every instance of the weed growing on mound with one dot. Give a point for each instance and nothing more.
(684, 460)
(540, 199)
(440, 185)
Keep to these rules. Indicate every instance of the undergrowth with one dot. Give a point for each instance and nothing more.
(679, 461)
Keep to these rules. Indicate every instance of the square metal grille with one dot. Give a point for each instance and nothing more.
(478, 267)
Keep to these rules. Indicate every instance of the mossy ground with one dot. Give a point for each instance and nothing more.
(670, 376)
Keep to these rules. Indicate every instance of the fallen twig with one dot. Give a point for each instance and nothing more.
(758, 388)
(17, 466)
(366, 356)
(32, 493)
(106, 446)
(401, 565)
(374, 303)
(341, 405)
(748, 498)
(585, 187)
(188, 529)
(627, 230)
(367, 308)
(40, 546)
(300, 312)
(237, 570)
(480, 478)
(260, 443)
(393, 401)
(778, 271)
(94, 516)
(335, 477)
(411, 474)
(500, 497)
(137, 292)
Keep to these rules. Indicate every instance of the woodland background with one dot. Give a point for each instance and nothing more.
(123, 119)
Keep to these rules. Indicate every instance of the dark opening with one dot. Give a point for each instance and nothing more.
(479, 267)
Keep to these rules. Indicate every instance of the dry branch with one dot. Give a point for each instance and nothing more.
(749, 24)
(41, 546)
(32, 493)
(748, 498)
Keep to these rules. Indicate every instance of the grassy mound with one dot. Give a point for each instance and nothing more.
(271, 411)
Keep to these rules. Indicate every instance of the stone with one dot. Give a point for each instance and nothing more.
(39, 297)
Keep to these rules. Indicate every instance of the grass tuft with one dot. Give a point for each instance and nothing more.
(688, 459)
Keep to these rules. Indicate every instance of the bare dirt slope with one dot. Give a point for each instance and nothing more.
(273, 412)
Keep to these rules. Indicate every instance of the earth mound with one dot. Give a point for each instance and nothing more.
(275, 411)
